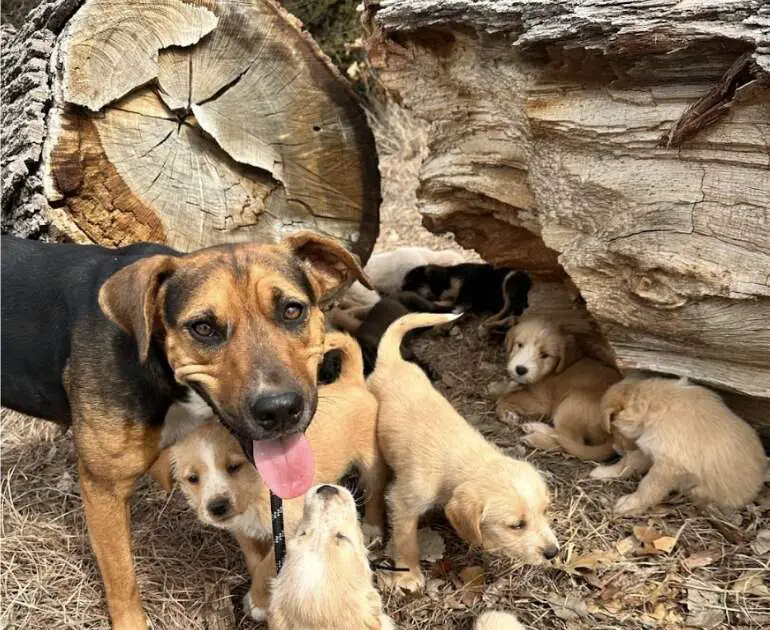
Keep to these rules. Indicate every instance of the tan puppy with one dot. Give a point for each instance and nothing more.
(438, 459)
(496, 620)
(326, 582)
(687, 440)
(556, 381)
(228, 493)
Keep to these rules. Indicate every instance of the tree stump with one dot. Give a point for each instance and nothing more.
(189, 122)
(624, 145)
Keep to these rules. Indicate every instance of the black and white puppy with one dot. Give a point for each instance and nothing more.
(476, 287)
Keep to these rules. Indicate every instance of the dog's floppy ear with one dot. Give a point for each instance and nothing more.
(510, 340)
(465, 511)
(330, 264)
(568, 352)
(129, 297)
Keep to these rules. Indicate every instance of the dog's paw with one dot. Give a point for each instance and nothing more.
(253, 611)
(540, 436)
(537, 427)
(497, 389)
(373, 534)
(604, 472)
(628, 505)
(507, 415)
(404, 581)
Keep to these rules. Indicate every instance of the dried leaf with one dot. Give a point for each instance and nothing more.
(626, 545)
(664, 543)
(473, 578)
(568, 608)
(761, 544)
(704, 607)
(701, 559)
(590, 562)
(646, 534)
(432, 545)
(647, 549)
(751, 583)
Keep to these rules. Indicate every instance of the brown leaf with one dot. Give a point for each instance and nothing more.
(473, 579)
(647, 549)
(751, 583)
(664, 543)
(626, 545)
(646, 534)
(701, 559)
(590, 562)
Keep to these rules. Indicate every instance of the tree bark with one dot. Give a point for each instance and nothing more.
(626, 145)
(188, 122)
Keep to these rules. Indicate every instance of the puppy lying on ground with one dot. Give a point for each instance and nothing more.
(386, 271)
(438, 459)
(326, 582)
(686, 439)
(228, 493)
(476, 287)
(556, 381)
(369, 330)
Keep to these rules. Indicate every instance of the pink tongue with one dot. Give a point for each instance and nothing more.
(286, 465)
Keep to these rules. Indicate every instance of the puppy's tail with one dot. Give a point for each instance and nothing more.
(352, 362)
(389, 349)
(592, 452)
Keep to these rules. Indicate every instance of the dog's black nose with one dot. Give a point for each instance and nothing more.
(521, 370)
(278, 410)
(551, 552)
(219, 507)
(327, 491)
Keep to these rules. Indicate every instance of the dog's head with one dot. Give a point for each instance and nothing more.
(326, 581)
(537, 349)
(241, 324)
(505, 510)
(212, 472)
(624, 411)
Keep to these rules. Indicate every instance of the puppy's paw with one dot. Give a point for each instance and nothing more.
(405, 581)
(537, 427)
(373, 534)
(540, 436)
(507, 415)
(498, 388)
(629, 504)
(253, 611)
(604, 472)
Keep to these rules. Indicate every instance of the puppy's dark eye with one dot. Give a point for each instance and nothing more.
(192, 478)
(234, 468)
(544, 355)
(519, 525)
(341, 537)
(519, 344)
(293, 311)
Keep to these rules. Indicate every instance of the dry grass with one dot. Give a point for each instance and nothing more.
(192, 578)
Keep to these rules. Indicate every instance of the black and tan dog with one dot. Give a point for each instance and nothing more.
(109, 341)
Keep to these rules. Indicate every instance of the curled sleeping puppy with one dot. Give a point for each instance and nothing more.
(685, 439)
(497, 620)
(551, 378)
(227, 492)
(386, 272)
(491, 500)
(326, 582)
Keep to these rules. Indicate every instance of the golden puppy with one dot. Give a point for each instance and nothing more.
(686, 439)
(228, 493)
(326, 582)
(556, 381)
(438, 459)
(496, 620)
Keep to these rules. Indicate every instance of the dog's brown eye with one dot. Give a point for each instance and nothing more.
(234, 468)
(293, 311)
(544, 355)
(202, 329)
(519, 344)
(192, 478)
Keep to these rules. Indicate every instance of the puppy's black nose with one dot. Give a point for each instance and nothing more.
(551, 552)
(219, 507)
(277, 410)
(327, 491)
(521, 370)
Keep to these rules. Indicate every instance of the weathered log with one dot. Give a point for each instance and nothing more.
(624, 144)
(187, 122)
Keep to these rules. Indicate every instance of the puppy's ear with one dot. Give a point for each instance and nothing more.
(568, 352)
(161, 471)
(329, 263)
(465, 511)
(129, 297)
(510, 340)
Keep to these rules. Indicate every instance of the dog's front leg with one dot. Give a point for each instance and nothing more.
(656, 485)
(254, 551)
(632, 463)
(256, 600)
(406, 547)
(110, 458)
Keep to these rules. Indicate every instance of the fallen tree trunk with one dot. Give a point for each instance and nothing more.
(185, 122)
(626, 145)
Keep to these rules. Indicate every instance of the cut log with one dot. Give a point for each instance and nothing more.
(626, 145)
(188, 122)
